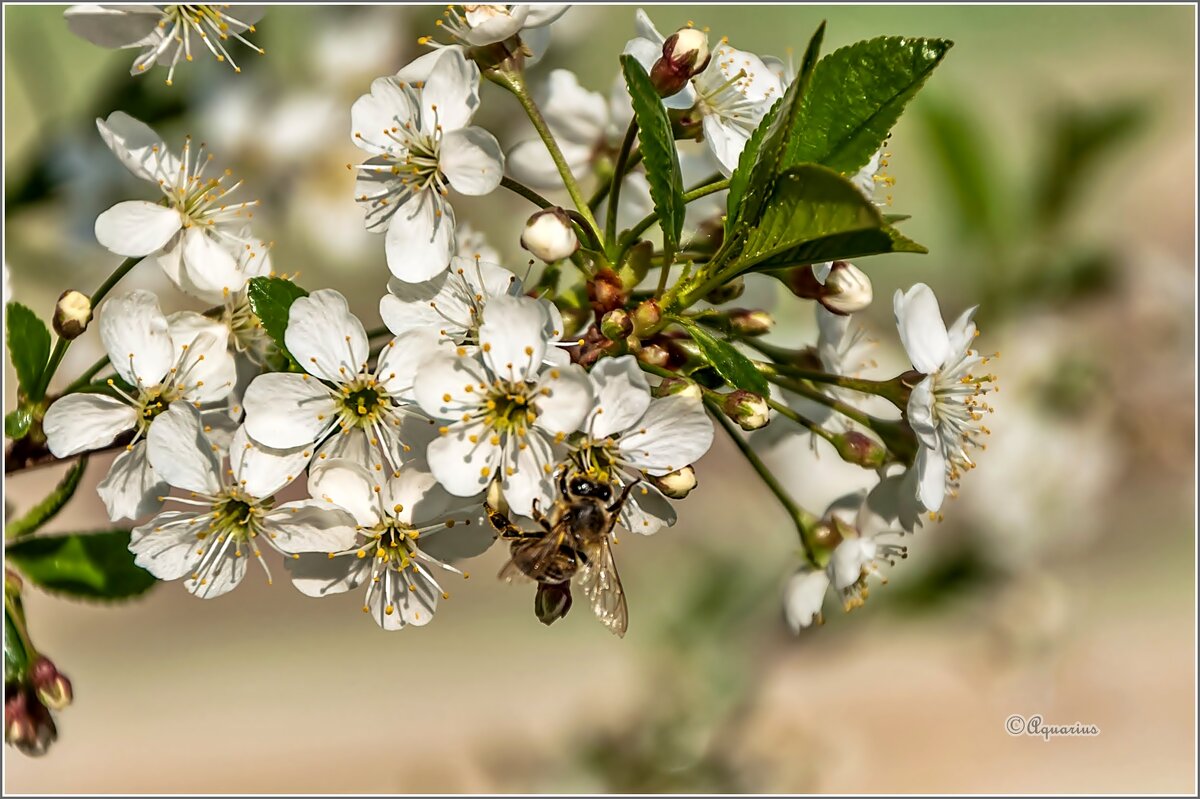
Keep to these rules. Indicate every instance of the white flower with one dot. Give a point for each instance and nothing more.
(473, 244)
(194, 232)
(340, 405)
(871, 176)
(731, 95)
(629, 434)
(488, 23)
(451, 303)
(416, 128)
(409, 526)
(231, 511)
(944, 409)
(161, 360)
(504, 408)
(857, 556)
(166, 33)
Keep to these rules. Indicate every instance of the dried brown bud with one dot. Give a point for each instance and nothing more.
(72, 314)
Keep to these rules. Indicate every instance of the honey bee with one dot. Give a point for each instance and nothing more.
(574, 542)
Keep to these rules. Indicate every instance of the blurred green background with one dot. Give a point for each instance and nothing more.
(1049, 166)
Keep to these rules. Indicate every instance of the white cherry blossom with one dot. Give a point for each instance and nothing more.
(488, 23)
(944, 409)
(165, 34)
(502, 409)
(731, 95)
(230, 512)
(339, 405)
(193, 231)
(160, 360)
(628, 435)
(416, 128)
(409, 528)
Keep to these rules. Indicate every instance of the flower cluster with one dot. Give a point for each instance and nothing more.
(546, 412)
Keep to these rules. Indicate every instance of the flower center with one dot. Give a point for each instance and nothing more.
(395, 543)
(213, 24)
(236, 514)
(510, 406)
(363, 402)
(598, 459)
(248, 334)
(201, 201)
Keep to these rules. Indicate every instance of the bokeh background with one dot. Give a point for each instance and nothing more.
(1049, 165)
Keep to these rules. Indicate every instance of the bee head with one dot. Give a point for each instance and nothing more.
(583, 487)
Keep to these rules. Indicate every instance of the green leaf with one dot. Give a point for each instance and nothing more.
(730, 364)
(658, 151)
(963, 158)
(49, 507)
(855, 97)
(843, 247)
(739, 181)
(270, 299)
(17, 422)
(773, 141)
(81, 565)
(28, 346)
(16, 658)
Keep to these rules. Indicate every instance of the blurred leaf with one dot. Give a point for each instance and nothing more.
(1079, 138)
(945, 578)
(736, 368)
(756, 186)
(270, 299)
(658, 151)
(963, 156)
(49, 507)
(17, 422)
(813, 204)
(28, 346)
(855, 98)
(81, 565)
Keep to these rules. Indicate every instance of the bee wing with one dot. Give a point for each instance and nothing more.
(537, 558)
(602, 586)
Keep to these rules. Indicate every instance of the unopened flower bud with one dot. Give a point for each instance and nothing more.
(746, 408)
(655, 355)
(750, 323)
(847, 290)
(27, 723)
(646, 317)
(859, 448)
(728, 292)
(676, 485)
(670, 386)
(616, 324)
(550, 236)
(552, 602)
(72, 314)
(52, 686)
(685, 54)
(606, 292)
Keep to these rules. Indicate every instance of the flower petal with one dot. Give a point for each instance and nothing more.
(674, 432)
(180, 452)
(401, 358)
(532, 474)
(512, 337)
(81, 422)
(922, 331)
(471, 160)
(136, 146)
(544, 13)
(647, 510)
(962, 332)
(131, 488)
(347, 485)
(462, 379)
(166, 546)
(316, 574)
(420, 237)
(209, 266)
(930, 469)
(449, 88)
(529, 162)
(622, 395)
(803, 597)
(464, 467)
(206, 371)
(263, 471)
(568, 401)
(220, 579)
(326, 339)
(109, 26)
(310, 526)
(920, 413)
(137, 338)
(285, 410)
(135, 227)
(573, 113)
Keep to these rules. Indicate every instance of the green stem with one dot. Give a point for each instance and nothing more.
(614, 194)
(515, 84)
(87, 376)
(789, 413)
(60, 346)
(517, 187)
(849, 411)
(881, 388)
(15, 612)
(803, 520)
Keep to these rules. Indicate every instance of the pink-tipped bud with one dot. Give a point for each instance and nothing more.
(859, 448)
(550, 236)
(670, 386)
(847, 289)
(748, 409)
(646, 317)
(616, 324)
(72, 314)
(52, 687)
(676, 485)
(685, 54)
(28, 724)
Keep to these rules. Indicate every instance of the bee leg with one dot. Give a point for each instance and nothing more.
(615, 508)
(540, 517)
(502, 525)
